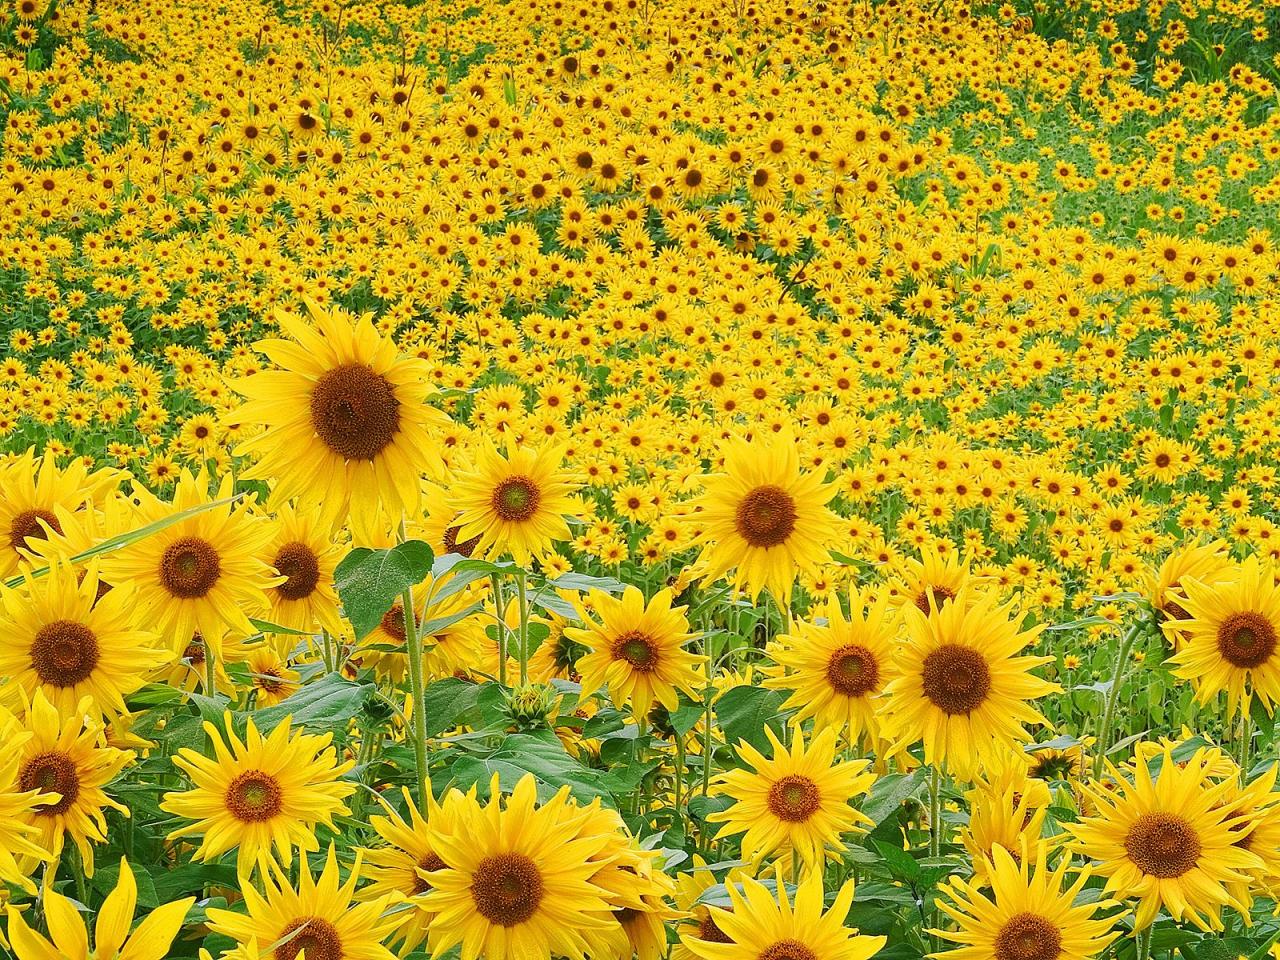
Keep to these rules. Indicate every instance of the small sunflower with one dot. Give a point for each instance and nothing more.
(940, 576)
(259, 793)
(1207, 563)
(636, 650)
(19, 838)
(306, 556)
(764, 518)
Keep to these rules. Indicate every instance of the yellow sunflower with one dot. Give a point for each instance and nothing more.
(57, 637)
(938, 575)
(1207, 563)
(515, 505)
(68, 937)
(764, 518)
(1168, 840)
(1028, 914)
(259, 793)
(203, 574)
(962, 687)
(319, 917)
(836, 671)
(64, 757)
(270, 676)
(517, 881)
(758, 925)
(19, 837)
(636, 650)
(796, 801)
(1230, 634)
(348, 430)
(305, 555)
(1007, 810)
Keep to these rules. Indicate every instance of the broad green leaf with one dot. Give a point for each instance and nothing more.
(370, 581)
(743, 713)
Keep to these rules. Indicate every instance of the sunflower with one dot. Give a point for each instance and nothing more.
(348, 430)
(1208, 563)
(796, 801)
(306, 556)
(270, 677)
(56, 636)
(517, 881)
(636, 650)
(515, 504)
(1259, 833)
(111, 937)
(18, 836)
(1170, 841)
(200, 574)
(31, 492)
(835, 671)
(691, 887)
(1028, 915)
(764, 518)
(758, 926)
(318, 917)
(259, 793)
(1230, 637)
(439, 526)
(1007, 809)
(961, 686)
(452, 650)
(940, 576)
(63, 757)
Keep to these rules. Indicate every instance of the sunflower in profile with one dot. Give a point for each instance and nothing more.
(835, 671)
(1230, 637)
(58, 637)
(636, 650)
(796, 801)
(31, 492)
(200, 574)
(439, 526)
(305, 556)
(517, 881)
(758, 925)
(64, 757)
(1258, 804)
(1007, 809)
(270, 676)
(698, 924)
(1168, 840)
(1029, 913)
(259, 793)
(764, 518)
(514, 505)
(1208, 563)
(347, 427)
(112, 939)
(962, 686)
(19, 838)
(940, 576)
(319, 917)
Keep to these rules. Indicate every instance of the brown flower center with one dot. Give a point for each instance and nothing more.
(957, 679)
(426, 865)
(788, 950)
(451, 544)
(516, 499)
(853, 670)
(709, 931)
(300, 564)
(940, 596)
(253, 797)
(318, 937)
(393, 623)
(794, 798)
(1246, 640)
(1162, 845)
(27, 525)
(51, 772)
(507, 888)
(64, 653)
(354, 411)
(766, 516)
(1026, 936)
(189, 568)
(638, 650)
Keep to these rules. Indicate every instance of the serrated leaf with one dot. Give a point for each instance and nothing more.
(370, 581)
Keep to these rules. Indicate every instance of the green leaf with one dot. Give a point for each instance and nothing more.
(888, 793)
(744, 712)
(902, 865)
(520, 754)
(330, 701)
(370, 581)
(447, 701)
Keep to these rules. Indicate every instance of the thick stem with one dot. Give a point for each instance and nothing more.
(417, 686)
(935, 812)
(1109, 710)
(499, 613)
(210, 671)
(1144, 942)
(523, 600)
(1246, 741)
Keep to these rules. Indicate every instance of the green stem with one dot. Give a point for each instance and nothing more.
(1144, 942)
(1246, 739)
(1113, 695)
(417, 686)
(210, 671)
(935, 812)
(522, 590)
(496, 582)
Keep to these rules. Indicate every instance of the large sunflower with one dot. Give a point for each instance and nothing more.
(318, 917)
(764, 518)
(796, 801)
(259, 794)
(515, 504)
(1028, 915)
(760, 926)
(636, 650)
(1230, 636)
(56, 636)
(202, 574)
(1169, 841)
(836, 671)
(962, 687)
(348, 430)
(31, 492)
(517, 881)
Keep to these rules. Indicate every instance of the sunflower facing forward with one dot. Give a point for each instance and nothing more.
(348, 431)
(764, 518)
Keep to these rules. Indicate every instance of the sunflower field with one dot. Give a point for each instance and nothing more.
(655, 479)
